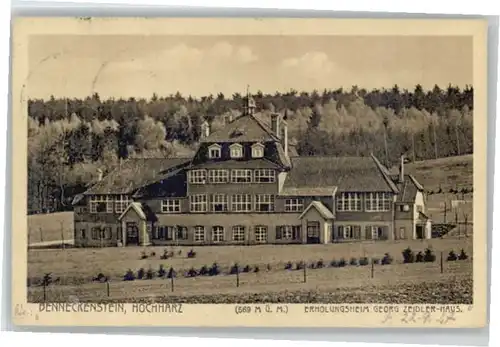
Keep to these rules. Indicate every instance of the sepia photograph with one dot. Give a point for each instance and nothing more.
(237, 168)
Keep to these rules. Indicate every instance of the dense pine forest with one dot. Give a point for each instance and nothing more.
(69, 139)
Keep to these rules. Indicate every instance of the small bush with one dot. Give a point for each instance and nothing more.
(376, 261)
(363, 261)
(191, 273)
(153, 254)
(171, 273)
(214, 270)
(165, 255)
(204, 270)
(234, 269)
(144, 255)
(353, 262)
(288, 266)
(387, 259)
(246, 269)
(341, 262)
(141, 273)
(452, 256)
(100, 278)
(256, 269)
(300, 265)
(408, 256)
(191, 254)
(312, 265)
(268, 267)
(320, 264)
(419, 258)
(161, 271)
(129, 275)
(334, 263)
(429, 256)
(462, 255)
(150, 274)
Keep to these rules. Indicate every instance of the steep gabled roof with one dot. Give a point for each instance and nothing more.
(352, 174)
(136, 173)
(408, 189)
(322, 209)
(246, 128)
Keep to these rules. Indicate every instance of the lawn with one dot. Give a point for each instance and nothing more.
(50, 227)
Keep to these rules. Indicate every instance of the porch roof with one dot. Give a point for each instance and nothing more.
(321, 208)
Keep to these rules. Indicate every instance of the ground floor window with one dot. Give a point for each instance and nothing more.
(239, 233)
(181, 233)
(101, 233)
(199, 234)
(164, 232)
(402, 232)
(313, 229)
(218, 234)
(348, 232)
(261, 233)
(288, 232)
(375, 232)
(83, 234)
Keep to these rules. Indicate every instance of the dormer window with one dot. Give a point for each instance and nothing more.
(257, 150)
(236, 150)
(214, 151)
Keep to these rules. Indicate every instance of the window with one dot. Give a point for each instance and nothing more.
(349, 202)
(313, 230)
(181, 232)
(374, 232)
(83, 234)
(121, 203)
(199, 233)
(264, 176)
(94, 233)
(236, 150)
(214, 151)
(198, 203)
(197, 176)
(241, 176)
(261, 234)
(241, 203)
(294, 205)
(101, 204)
(288, 232)
(219, 202)
(349, 231)
(171, 206)
(402, 232)
(218, 234)
(164, 232)
(264, 203)
(239, 233)
(257, 150)
(376, 202)
(218, 176)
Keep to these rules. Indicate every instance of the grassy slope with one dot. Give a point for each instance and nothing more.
(50, 227)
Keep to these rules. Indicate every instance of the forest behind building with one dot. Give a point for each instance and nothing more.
(69, 139)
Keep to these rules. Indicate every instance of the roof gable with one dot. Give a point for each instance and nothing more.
(246, 128)
(322, 210)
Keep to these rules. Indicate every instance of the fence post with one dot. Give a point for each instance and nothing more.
(41, 234)
(305, 273)
(44, 291)
(441, 262)
(237, 276)
(172, 281)
(107, 288)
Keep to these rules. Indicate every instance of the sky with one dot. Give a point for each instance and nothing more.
(138, 66)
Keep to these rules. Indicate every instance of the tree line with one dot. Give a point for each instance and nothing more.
(70, 138)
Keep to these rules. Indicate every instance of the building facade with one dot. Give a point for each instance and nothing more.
(246, 185)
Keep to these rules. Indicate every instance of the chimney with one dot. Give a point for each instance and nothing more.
(284, 136)
(275, 124)
(99, 175)
(205, 129)
(402, 170)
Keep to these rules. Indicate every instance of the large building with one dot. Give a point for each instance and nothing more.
(247, 185)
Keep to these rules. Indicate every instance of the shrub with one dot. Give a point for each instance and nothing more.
(462, 255)
(376, 261)
(268, 267)
(429, 256)
(353, 262)
(171, 273)
(363, 261)
(420, 257)
(140, 273)
(256, 269)
(334, 263)
(144, 255)
(452, 256)
(247, 268)
(47, 279)
(214, 270)
(100, 278)
(234, 269)
(387, 259)
(204, 270)
(341, 262)
(129, 275)
(320, 264)
(191, 273)
(161, 271)
(288, 266)
(300, 265)
(153, 254)
(164, 255)
(408, 256)
(312, 265)
(191, 254)
(150, 274)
